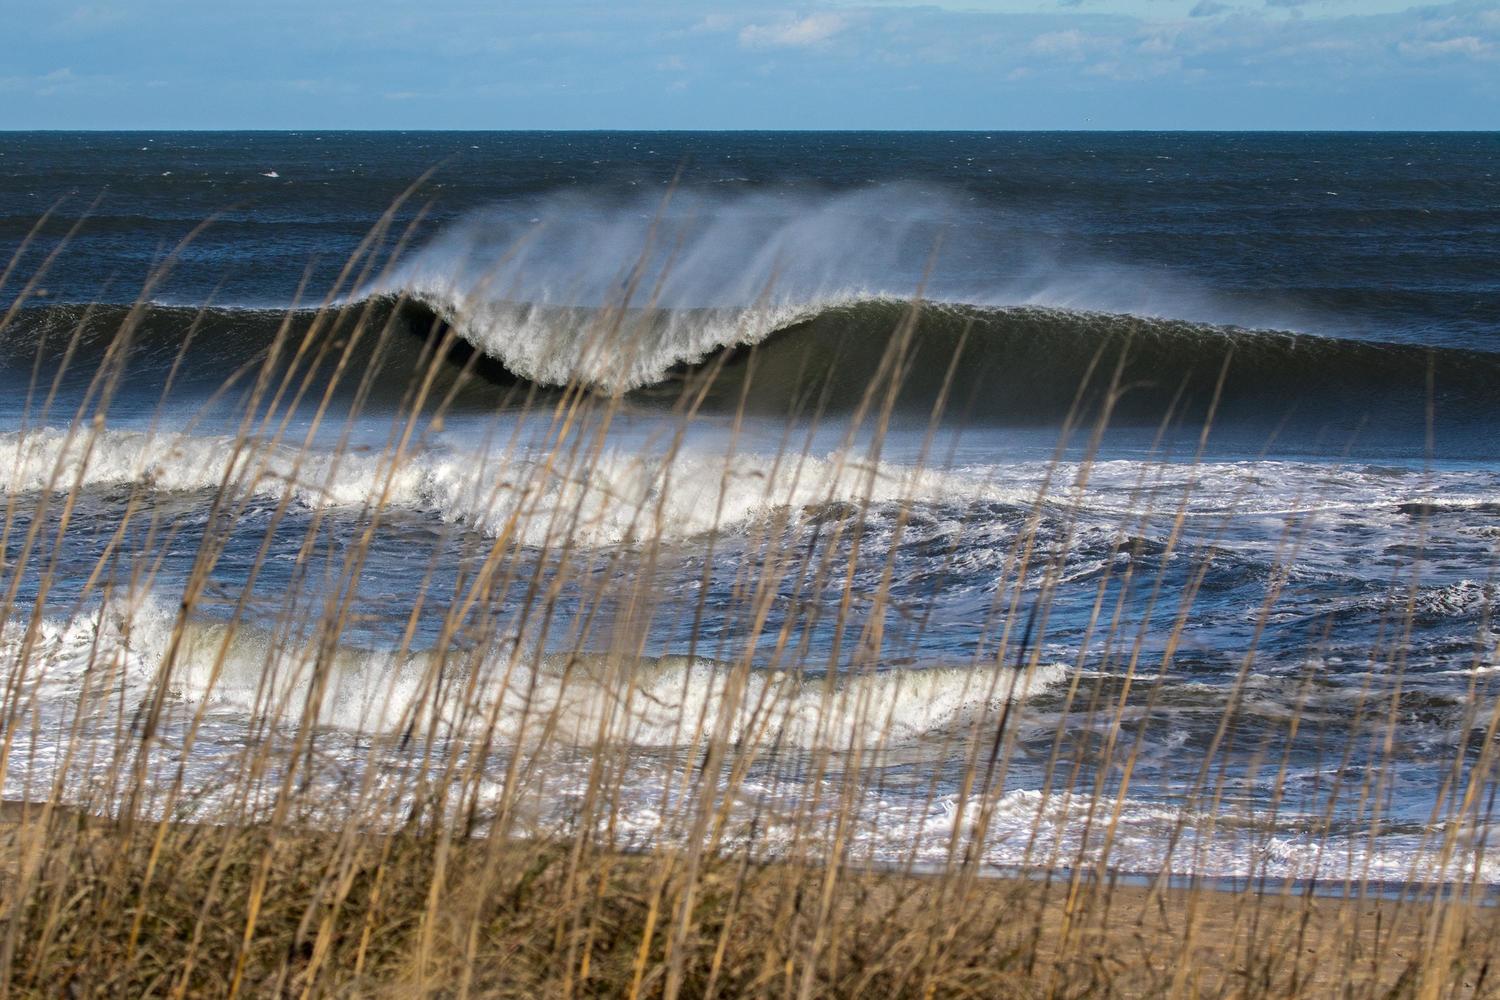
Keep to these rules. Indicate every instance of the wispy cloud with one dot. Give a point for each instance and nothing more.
(813, 29)
(43, 84)
(891, 64)
(94, 17)
(1466, 45)
(1209, 8)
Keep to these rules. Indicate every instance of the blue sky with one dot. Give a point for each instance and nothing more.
(985, 64)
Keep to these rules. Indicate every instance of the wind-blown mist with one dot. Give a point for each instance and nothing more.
(1142, 471)
(795, 250)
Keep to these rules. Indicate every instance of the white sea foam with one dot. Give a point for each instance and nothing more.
(574, 699)
(614, 350)
(622, 495)
(647, 703)
(632, 493)
(1023, 828)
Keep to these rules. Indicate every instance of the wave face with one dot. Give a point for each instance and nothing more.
(624, 294)
(793, 301)
(1003, 365)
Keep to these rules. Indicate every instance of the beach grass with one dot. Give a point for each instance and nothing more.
(164, 911)
(439, 868)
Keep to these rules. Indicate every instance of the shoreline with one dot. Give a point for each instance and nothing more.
(1485, 895)
(1022, 936)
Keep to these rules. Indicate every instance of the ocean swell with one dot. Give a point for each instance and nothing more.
(1001, 365)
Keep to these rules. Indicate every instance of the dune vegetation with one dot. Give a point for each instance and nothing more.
(279, 774)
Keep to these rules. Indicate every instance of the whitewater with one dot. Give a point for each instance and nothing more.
(1131, 475)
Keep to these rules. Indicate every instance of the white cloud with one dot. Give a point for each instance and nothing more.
(1157, 44)
(1156, 63)
(1466, 45)
(1068, 44)
(94, 17)
(811, 30)
(44, 84)
(713, 23)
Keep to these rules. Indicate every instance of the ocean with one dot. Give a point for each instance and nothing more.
(1070, 500)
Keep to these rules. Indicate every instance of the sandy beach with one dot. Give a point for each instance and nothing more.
(393, 916)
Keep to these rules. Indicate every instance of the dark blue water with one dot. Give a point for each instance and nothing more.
(1325, 552)
(1391, 237)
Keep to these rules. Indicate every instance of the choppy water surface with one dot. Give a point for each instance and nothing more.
(1267, 649)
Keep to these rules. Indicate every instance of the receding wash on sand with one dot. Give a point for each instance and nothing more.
(904, 564)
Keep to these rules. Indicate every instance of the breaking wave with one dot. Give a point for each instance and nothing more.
(619, 496)
(793, 303)
(629, 493)
(518, 695)
(1007, 365)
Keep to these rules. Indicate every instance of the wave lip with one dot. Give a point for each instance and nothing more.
(624, 294)
(1015, 361)
(793, 299)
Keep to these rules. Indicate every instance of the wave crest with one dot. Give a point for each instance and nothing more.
(994, 365)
